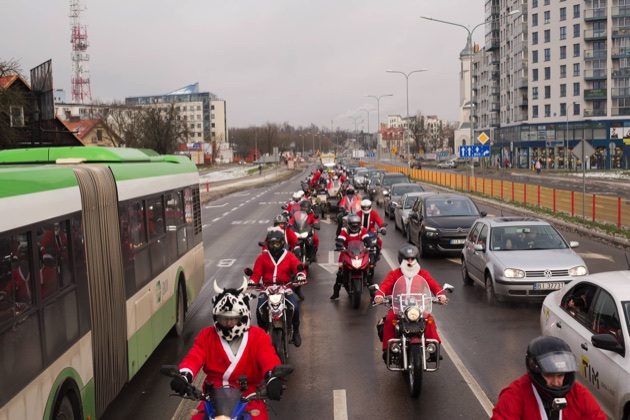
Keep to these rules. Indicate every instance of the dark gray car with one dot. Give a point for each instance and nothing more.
(385, 183)
(395, 194)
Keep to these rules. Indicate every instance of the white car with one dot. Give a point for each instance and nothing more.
(592, 314)
(449, 164)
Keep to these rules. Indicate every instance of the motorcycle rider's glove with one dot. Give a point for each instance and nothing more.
(181, 384)
(275, 387)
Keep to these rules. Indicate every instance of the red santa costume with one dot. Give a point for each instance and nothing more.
(371, 220)
(345, 236)
(311, 220)
(270, 270)
(386, 288)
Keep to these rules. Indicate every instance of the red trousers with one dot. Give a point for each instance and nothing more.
(430, 330)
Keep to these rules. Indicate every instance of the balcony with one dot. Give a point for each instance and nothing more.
(621, 32)
(619, 111)
(595, 54)
(620, 11)
(494, 107)
(595, 34)
(621, 92)
(524, 27)
(590, 112)
(624, 72)
(593, 94)
(492, 42)
(595, 14)
(521, 82)
(595, 74)
(522, 102)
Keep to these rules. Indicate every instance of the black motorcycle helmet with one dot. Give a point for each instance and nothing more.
(280, 220)
(350, 190)
(275, 242)
(550, 355)
(305, 206)
(354, 223)
(408, 251)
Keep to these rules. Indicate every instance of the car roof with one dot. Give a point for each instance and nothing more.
(392, 175)
(418, 193)
(495, 221)
(400, 184)
(616, 282)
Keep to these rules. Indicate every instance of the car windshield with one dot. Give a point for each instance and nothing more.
(395, 180)
(407, 188)
(450, 206)
(514, 238)
(626, 309)
(409, 202)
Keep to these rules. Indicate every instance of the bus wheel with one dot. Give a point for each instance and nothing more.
(178, 329)
(65, 410)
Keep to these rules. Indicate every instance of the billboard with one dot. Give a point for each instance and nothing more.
(42, 87)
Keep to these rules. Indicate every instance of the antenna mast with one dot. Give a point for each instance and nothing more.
(81, 91)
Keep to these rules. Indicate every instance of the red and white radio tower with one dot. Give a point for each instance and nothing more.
(81, 91)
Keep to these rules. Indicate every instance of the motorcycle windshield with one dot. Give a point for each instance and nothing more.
(355, 248)
(300, 224)
(356, 203)
(225, 401)
(408, 293)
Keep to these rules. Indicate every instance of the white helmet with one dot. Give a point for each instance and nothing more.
(297, 196)
(366, 205)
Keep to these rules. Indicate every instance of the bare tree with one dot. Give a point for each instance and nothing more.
(417, 129)
(122, 120)
(12, 99)
(162, 130)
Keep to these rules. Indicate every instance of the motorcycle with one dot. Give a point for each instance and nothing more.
(320, 203)
(226, 402)
(409, 351)
(278, 313)
(356, 264)
(305, 250)
(352, 207)
(333, 194)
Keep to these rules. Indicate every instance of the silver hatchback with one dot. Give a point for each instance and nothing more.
(519, 258)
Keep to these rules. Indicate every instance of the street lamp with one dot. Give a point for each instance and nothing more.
(470, 45)
(367, 112)
(378, 121)
(406, 81)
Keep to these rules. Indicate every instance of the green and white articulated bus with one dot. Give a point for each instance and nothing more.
(101, 253)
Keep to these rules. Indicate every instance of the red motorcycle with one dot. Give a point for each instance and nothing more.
(356, 265)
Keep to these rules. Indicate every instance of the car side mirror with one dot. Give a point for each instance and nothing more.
(479, 247)
(607, 342)
(483, 214)
(574, 244)
(248, 271)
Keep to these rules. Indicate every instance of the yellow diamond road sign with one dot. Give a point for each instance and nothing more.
(483, 138)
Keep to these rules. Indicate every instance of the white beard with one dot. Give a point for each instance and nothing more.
(410, 270)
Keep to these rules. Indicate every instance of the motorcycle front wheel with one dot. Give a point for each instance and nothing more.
(413, 371)
(355, 296)
(278, 339)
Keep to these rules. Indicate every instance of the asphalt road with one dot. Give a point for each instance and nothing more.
(340, 354)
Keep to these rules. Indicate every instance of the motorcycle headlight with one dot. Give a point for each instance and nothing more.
(302, 235)
(412, 314)
(431, 347)
(356, 263)
(580, 270)
(275, 299)
(513, 273)
(385, 192)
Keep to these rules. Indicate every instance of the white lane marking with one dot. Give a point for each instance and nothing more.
(472, 383)
(340, 407)
(205, 226)
(216, 206)
(454, 260)
(215, 219)
(241, 205)
(594, 255)
(331, 266)
(234, 209)
(226, 213)
(227, 262)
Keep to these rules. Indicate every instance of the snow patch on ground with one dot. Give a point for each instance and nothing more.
(603, 175)
(225, 174)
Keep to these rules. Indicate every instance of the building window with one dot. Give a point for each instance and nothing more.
(563, 109)
(576, 50)
(212, 125)
(546, 3)
(563, 32)
(563, 90)
(16, 116)
(576, 108)
(576, 89)
(576, 11)
(563, 71)
(547, 17)
(547, 110)
(547, 34)
(563, 52)
(535, 111)
(547, 54)
(99, 135)
(547, 73)
(534, 75)
(534, 38)
(535, 19)
(534, 92)
(535, 56)
(576, 69)
(547, 92)
(576, 30)
(212, 107)
(534, 4)
(563, 13)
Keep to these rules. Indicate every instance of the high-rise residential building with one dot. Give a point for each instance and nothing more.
(551, 76)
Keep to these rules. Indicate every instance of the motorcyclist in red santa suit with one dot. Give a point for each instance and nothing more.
(354, 231)
(294, 204)
(277, 265)
(371, 220)
(290, 240)
(409, 267)
(306, 207)
(231, 348)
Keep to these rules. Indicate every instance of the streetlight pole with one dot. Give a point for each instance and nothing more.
(471, 54)
(406, 82)
(378, 121)
(367, 112)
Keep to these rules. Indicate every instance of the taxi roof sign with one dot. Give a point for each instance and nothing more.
(483, 138)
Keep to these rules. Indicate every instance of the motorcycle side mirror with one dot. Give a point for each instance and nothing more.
(283, 207)
(261, 243)
(374, 287)
(248, 271)
(282, 371)
(448, 288)
(483, 214)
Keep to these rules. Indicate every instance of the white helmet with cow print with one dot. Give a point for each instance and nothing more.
(231, 303)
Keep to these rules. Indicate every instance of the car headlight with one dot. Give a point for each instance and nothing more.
(385, 192)
(412, 314)
(432, 234)
(513, 273)
(430, 229)
(580, 270)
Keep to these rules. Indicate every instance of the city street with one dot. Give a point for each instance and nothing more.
(338, 368)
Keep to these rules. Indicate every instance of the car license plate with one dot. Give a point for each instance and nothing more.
(548, 286)
(457, 241)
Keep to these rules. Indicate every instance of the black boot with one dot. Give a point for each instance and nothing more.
(297, 339)
(336, 289)
(298, 292)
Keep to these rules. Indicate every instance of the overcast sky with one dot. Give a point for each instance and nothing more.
(292, 61)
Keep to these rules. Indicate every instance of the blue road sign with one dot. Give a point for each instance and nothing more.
(474, 151)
